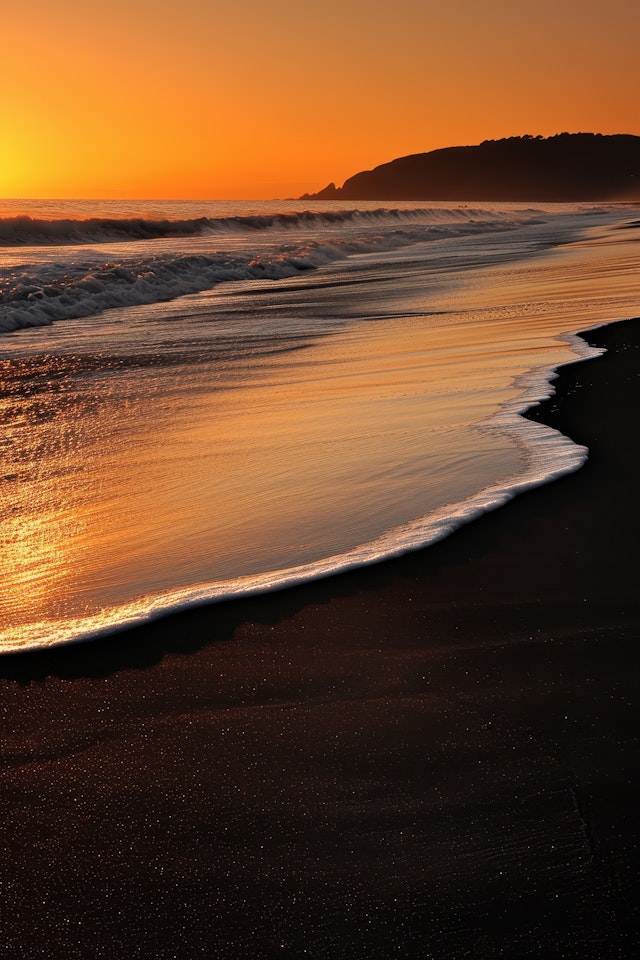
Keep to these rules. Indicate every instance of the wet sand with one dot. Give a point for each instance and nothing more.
(434, 757)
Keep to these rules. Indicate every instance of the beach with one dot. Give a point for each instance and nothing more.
(434, 756)
(319, 609)
(277, 396)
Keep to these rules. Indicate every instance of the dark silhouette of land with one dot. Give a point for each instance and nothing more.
(566, 167)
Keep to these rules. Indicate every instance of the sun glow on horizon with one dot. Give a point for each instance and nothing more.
(154, 100)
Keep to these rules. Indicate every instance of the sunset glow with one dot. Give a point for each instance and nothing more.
(205, 100)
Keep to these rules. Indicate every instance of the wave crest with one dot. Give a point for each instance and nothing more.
(23, 230)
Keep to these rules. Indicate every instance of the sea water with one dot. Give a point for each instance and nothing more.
(201, 400)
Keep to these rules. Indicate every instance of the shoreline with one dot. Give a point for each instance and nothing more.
(436, 755)
(527, 407)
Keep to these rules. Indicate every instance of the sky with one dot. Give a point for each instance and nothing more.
(265, 99)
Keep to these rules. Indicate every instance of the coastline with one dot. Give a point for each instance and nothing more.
(433, 756)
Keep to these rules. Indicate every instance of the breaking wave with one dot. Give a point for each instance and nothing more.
(72, 286)
(28, 231)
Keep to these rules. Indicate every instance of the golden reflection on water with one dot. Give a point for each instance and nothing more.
(121, 485)
(319, 451)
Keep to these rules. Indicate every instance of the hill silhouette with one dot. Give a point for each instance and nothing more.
(568, 166)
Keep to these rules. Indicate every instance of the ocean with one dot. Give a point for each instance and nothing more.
(201, 400)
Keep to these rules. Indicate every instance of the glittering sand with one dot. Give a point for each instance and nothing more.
(434, 757)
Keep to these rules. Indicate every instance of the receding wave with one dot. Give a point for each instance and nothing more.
(549, 455)
(28, 231)
(38, 294)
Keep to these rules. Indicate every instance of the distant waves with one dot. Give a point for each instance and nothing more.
(28, 231)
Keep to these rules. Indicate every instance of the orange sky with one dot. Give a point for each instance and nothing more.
(210, 99)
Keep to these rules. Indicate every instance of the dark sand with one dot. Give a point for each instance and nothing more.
(434, 757)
